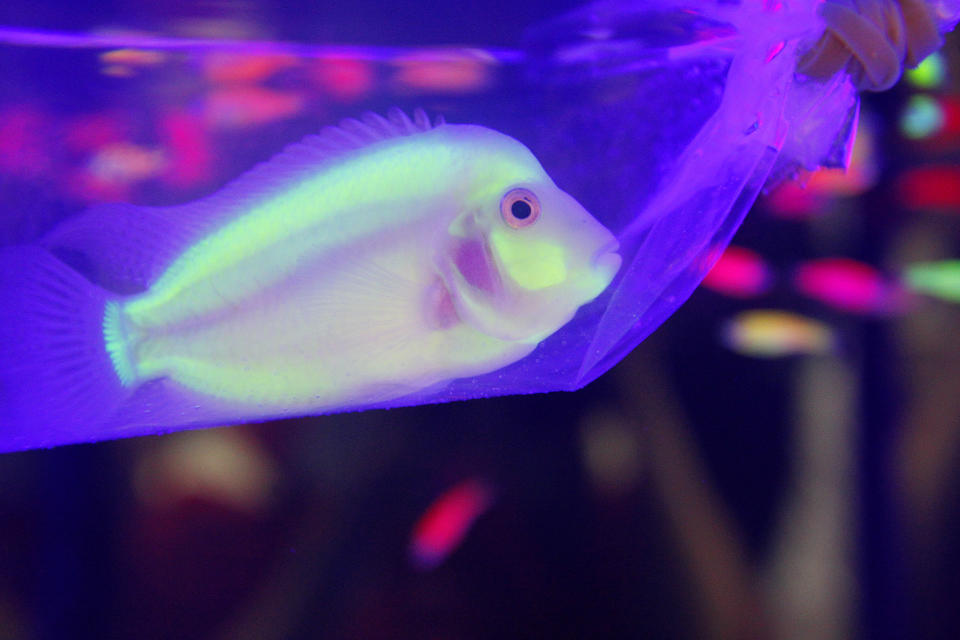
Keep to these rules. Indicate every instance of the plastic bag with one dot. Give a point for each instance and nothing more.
(665, 120)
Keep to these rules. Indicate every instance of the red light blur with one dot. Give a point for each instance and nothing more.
(446, 521)
(740, 273)
(936, 188)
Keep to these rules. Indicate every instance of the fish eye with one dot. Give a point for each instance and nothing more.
(519, 207)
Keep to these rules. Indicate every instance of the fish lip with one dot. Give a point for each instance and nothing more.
(606, 264)
(600, 257)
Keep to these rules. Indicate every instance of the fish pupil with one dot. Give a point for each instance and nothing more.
(521, 209)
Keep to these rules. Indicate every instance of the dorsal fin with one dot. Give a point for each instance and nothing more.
(129, 246)
(309, 155)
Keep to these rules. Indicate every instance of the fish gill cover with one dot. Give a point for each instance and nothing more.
(664, 120)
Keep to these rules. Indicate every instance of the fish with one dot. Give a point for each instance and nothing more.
(375, 259)
(739, 273)
(773, 333)
(939, 279)
(447, 521)
(849, 285)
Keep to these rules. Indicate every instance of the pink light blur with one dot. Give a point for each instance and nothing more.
(740, 273)
(447, 72)
(188, 147)
(90, 132)
(344, 79)
(446, 521)
(223, 67)
(793, 201)
(85, 185)
(22, 152)
(236, 107)
(847, 285)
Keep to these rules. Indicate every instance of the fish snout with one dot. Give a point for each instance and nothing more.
(609, 247)
(606, 261)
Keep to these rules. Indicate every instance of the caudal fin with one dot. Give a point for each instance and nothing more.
(57, 382)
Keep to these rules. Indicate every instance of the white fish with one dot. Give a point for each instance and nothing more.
(376, 259)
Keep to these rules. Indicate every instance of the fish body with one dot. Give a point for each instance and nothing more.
(374, 260)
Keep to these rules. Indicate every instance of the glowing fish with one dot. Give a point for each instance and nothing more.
(344, 79)
(929, 74)
(236, 68)
(930, 188)
(112, 170)
(938, 279)
(374, 260)
(769, 333)
(740, 273)
(847, 285)
(447, 71)
(125, 62)
(923, 117)
(225, 466)
(933, 121)
(125, 162)
(187, 145)
(446, 521)
(241, 106)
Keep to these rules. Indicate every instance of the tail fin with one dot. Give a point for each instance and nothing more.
(57, 381)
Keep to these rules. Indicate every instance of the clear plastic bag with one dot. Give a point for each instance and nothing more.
(664, 119)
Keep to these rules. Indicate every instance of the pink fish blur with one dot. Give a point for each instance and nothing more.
(89, 132)
(237, 68)
(452, 71)
(343, 79)
(126, 163)
(739, 273)
(446, 522)
(848, 285)
(188, 148)
(236, 107)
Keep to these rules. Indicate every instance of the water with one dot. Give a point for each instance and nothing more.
(663, 121)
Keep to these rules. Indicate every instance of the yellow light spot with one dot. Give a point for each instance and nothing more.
(930, 73)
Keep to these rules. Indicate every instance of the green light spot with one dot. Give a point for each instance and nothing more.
(938, 279)
(921, 118)
(929, 74)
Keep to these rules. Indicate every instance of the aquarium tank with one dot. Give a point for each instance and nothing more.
(259, 225)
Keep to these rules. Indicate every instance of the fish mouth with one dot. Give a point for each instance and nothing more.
(602, 253)
(606, 261)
